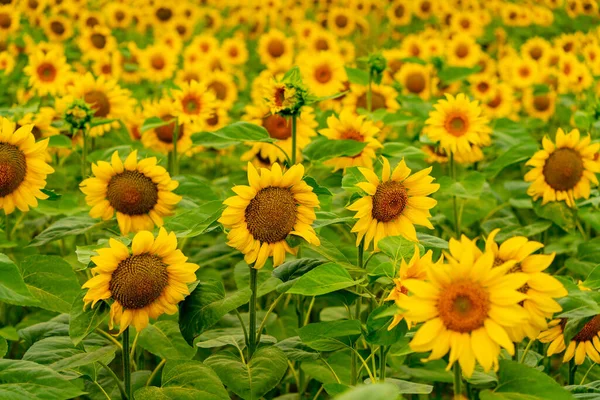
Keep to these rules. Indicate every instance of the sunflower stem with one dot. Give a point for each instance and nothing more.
(294, 139)
(382, 363)
(252, 331)
(153, 374)
(457, 379)
(127, 363)
(454, 199)
(572, 371)
(526, 351)
(353, 360)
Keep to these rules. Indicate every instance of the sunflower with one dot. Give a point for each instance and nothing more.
(280, 97)
(218, 120)
(541, 105)
(106, 97)
(341, 21)
(482, 86)
(323, 73)
(58, 28)
(119, 15)
(48, 73)
(194, 104)
(280, 128)
(234, 51)
(162, 12)
(466, 306)
(524, 72)
(563, 171)
(394, 205)
(536, 48)
(161, 138)
(463, 51)
(262, 216)
(108, 66)
(275, 47)
(130, 68)
(501, 102)
(382, 97)
(95, 42)
(7, 62)
(141, 193)
(415, 79)
(585, 342)
(183, 27)
(349, 126)
(23, 167)
(322, 40)
(9, 21)
(423, 9)
(540, 288)
(416, 268)
(159, 63)
(457, 124)
(144, 283)
(399, 13)
(222, 85)
(42, 122)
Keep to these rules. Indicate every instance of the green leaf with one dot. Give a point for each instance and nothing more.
(60, 354)
(330, 336)
(397, 248)
(515, 154)
(293, 76)
(520, 382)
(185, 380)
(323, 149)
(238, 132)
(357, 76)
(60, 141)
(432, 242)
(406, 387)
(295, 350)
(375, 391)
(253, 379)
(83, 322)
(26, 380)
(153, 123)
(205, 306)
(51, 280)
(530, 230)
(3, 347)
(453, 74)
(102, 121)
(377, 327)
(196, 221)
(317, 189)
(323, 279)
(582, 120)
(164, 339)
(589, 250)
(295, 269)
(557, 212)
(12, 287)
(70, 226)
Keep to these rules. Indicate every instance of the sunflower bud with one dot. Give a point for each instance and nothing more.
(377, 64)
(78, 115)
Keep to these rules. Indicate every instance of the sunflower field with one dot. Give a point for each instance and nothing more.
(299, 199)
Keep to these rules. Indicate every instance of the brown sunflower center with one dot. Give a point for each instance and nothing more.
(138, 281)
(132, 193)
(277, 126)
(271, 214)
(191, 104)
(119, 15)
(57, 27)
(165, 132)
(541, 103)
(415, 82)
(99, 102)
(164, 14)
(483, 87)
(463, 306)
(213, 120)
(563, 169)
(13, 168)
(276, 48)
(377, 101)
(158, 62)
(457, 125)
(536, 53)
(91, 22)
(341, 21)
(399, 11)
(323, 74)
(46, 72)
(219, 88)
(589, 330)
(389, 201)
(352, 134)
(462, 51)
(98, 40)
(322, 45)
(496, 101)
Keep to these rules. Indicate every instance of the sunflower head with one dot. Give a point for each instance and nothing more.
(143, 282)
(78, 115)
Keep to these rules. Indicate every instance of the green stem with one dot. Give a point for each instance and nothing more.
(252, 331)
(526, 350)
(515, 356)
(237, 313)
(382, 363)
(580, 227)
(454, 199)
(572, 371)
(269, 311)
(353, 360)
(586, 373)
(300, 314)
(294, 139)
(17, 223)
(116, 379)
(457, 379)
(127, 363)
(158, 367)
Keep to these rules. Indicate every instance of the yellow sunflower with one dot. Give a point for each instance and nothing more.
(130, 64)
(141, 193)
(280, 128)
(95, 42)
(540, 105)
(523, 73)
(466, 306)
(263, 214)
(399, 12)
(7, 62)
(144, 282)
(563, 171)
(585, 342)
(415, 79)
(58, 28)
(394, 205)
(457, 124)
(107, 98)
(48, 73)
(536, 48)
(234, 51)
(194, 104)
(275, 47)
(42, 122)
(501, 102)
(463, 51)
(540, 288)
(416, 268)
(22, 166)
(159, 63)
(323, 72)
(341, 21)
(279, 96)
(108, 65)
(350, 126)
(161, 138)
(383, 97)
(222, 85)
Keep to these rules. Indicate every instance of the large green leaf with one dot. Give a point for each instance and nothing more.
(26, 380)
(397, 248)
(323, 279)
(205, 306)
(164, 339)
(83, 322)
(557, 212)
(330, 336)
(3, 347)
(452, 74)
(12, 287)
(70, 226)
(185, 380)
(378, 324)
(323, 149)
(520, 382)
(52, 281)
(376, 391)
(515, 154)
(250, 380)
(196, 221)
(237, 132)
